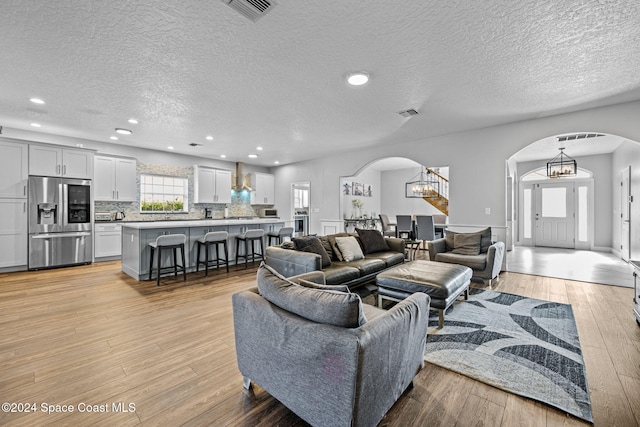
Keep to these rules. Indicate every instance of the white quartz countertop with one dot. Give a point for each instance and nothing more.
(149, 225)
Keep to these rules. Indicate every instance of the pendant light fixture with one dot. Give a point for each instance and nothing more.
(424, 184)
(561, 165)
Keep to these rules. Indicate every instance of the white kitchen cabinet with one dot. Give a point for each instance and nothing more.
(115, 179)
(108, 240)
(262, 189)
(14, 170)
(13, 232)
(211, 185)
(51, 160)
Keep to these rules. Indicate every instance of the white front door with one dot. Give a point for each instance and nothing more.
(625, 211)
(554, 215)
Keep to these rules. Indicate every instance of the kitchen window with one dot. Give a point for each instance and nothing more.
(160, 193)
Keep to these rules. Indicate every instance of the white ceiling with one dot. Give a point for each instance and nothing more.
(186, 69)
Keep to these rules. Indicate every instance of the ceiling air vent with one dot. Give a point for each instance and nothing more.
(578, 136)
(195, 144)
(408, 113)
(251, 9)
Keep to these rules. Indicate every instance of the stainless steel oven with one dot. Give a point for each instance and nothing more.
(60, 222)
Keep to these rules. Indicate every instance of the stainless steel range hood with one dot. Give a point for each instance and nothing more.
(239, 184)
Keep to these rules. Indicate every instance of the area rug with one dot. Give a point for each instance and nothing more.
(525, 346)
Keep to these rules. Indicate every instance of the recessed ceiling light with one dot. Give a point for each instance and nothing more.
(253, 156)
(224, 156)
(36, 100)
(170, 147)
(133, 121)
(259, 148)
(209, 137)
(276, 162)
(358, 79)
(36, 125)
(123, 131)
(115, 138)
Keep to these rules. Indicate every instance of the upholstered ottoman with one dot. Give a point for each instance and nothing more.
(443, 282)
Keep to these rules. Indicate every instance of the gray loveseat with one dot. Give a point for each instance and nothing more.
(327, 357)
(474, 250)
(337, 270)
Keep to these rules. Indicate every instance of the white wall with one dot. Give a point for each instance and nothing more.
(600, 166)
(628, 154)
(477, 162)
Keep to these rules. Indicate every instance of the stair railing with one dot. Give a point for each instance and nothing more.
(443, 183)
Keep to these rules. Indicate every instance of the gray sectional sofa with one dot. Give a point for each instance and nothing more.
(289, 261)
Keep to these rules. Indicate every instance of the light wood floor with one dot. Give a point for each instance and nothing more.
(92, 335)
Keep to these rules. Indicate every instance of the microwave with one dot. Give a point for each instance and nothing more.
(269, 213)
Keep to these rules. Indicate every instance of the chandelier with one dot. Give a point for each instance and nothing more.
(561, 165)
(424, 184)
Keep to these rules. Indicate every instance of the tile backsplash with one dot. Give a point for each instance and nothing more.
(240, 202)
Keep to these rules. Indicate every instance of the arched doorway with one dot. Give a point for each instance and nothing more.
(608, 161)
(379, 187)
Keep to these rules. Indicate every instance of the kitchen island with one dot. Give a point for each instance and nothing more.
(136, 237)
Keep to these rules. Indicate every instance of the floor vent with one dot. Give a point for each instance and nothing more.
(579, 136)
(408, 113)
(251, 9)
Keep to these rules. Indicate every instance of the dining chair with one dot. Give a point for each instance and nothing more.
(425, 229)
(404, 227)
(438, 221)
(388, 229)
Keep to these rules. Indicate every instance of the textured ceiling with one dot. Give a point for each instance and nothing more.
(186, 69)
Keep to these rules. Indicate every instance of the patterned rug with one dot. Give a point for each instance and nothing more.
(525, 346)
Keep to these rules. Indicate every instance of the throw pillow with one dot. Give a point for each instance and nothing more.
(336, 250)
(485, 239)
(466, 244)
(349, 248)
(314, 285)
(372, 241)
(326, 244)
(318, 305)
(312, 244)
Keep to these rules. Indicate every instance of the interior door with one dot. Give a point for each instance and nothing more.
(625, 213)
(554, 215)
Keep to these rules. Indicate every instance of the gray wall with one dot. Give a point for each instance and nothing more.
(628, 154)
(477, 162)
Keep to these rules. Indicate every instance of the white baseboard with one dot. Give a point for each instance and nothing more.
(605, 249)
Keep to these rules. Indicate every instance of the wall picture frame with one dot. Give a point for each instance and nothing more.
(357, 188)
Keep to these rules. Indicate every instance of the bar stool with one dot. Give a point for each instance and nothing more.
(252, 236)
(280, 234)
(168, 241)
(214, 238)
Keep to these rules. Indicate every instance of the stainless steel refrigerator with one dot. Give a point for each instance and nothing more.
(60, 222)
